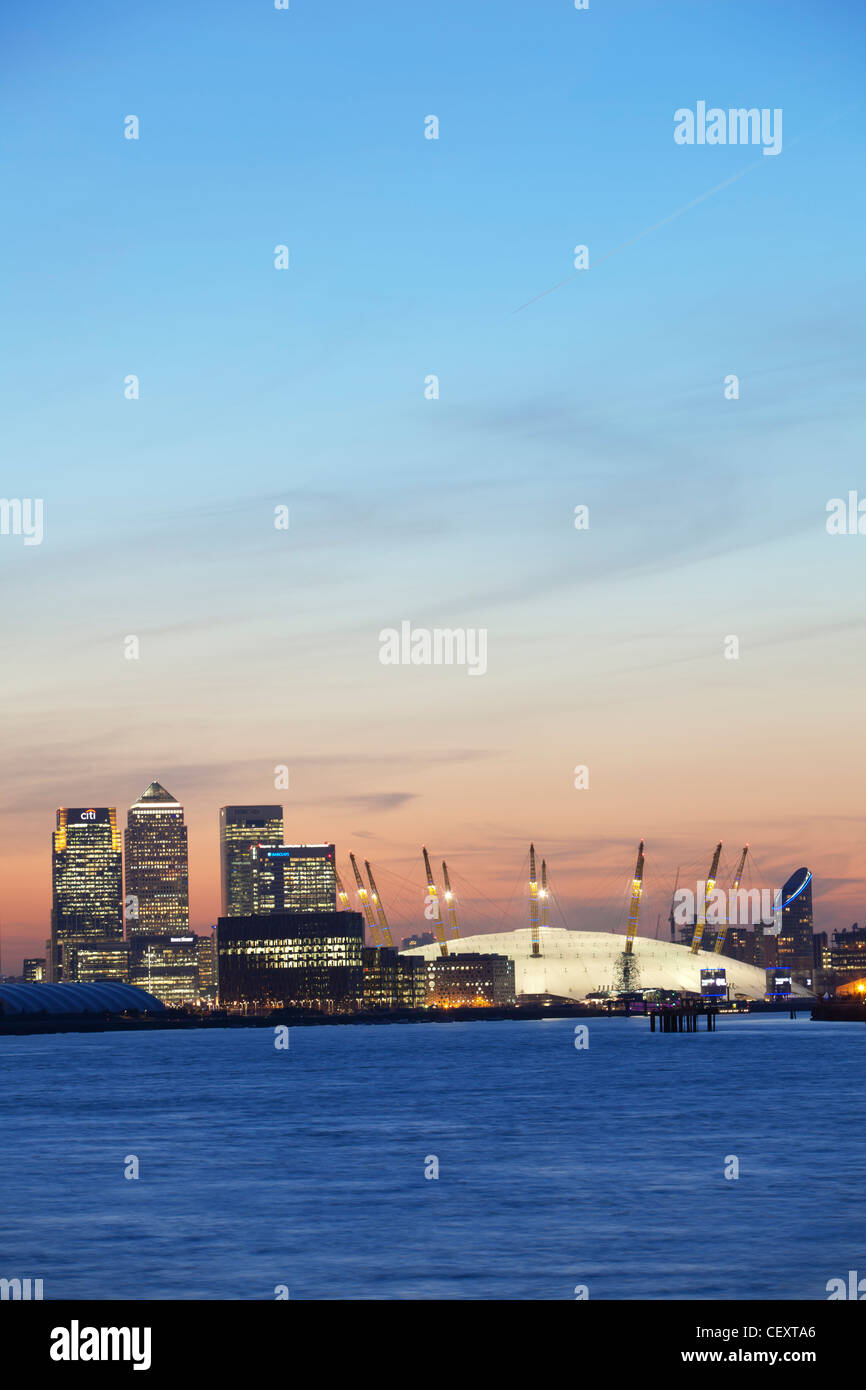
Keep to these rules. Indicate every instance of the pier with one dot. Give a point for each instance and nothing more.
(681, 1018)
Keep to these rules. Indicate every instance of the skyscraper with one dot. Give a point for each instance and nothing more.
(293, 878)
(86, 883)
(794, 945)
(157, 866)
(241, 829)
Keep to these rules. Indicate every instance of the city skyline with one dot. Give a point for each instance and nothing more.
(600, 905)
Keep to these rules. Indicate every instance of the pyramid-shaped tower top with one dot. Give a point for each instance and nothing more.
(155, 796)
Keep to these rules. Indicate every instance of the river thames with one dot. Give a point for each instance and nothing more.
(559, 1168)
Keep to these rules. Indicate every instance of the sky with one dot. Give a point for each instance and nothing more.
(308, 387)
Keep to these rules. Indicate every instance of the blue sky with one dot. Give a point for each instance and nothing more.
(410, 257)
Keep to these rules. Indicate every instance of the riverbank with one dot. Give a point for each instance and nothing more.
(305, 1018)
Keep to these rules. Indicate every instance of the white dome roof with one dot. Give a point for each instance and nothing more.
(574, 964)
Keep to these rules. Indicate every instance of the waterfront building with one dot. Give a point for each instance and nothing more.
(88, 961)
(166, 967)
(794, 946)
(412, 982)
(292, 959)
(242, 828)
(34, 970)
(293, 878)
(392, 981)
(847, 952)
(205, 955)
(157, 866)
(779, 982)
(86, 883)
(714, 984)
(470, 978)
(380, 977)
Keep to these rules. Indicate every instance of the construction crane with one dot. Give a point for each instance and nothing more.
(438, 924)
(449, 899)
(708, 890)
(341, 892)
(377, 903)
(544, 897)
(634, 907)
(375, 935)
(533, 903)
(720, 936)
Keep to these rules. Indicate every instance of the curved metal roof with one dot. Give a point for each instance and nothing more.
(105, 996)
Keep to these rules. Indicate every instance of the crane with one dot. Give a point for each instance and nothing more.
(634, 908)
(375, 935)
(708, 890)
(533, 903)
(438, 924)
(720, 936)
(545, 900)
(449, 899)
(341, 892)
(377, 903)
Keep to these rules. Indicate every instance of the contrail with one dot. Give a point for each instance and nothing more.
(670, 217)
(646, 231)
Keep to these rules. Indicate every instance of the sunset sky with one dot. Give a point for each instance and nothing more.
(306, 387)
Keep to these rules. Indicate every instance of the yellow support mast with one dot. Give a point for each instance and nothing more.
(438, 924)
(533, 904)
(634, 907)
(377, 903)
(708, 891)
(375, 935)
(720, 936)
(450, 903)
(544, 898)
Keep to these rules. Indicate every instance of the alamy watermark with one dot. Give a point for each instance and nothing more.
(746, 906)
(438, 646)
(77, 1343)
(854, 1289)
(22, 516)
(23, 1289)
(715, 126)
(846, 518)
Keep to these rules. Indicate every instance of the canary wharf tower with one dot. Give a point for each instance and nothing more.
(86, 906)
(157, 866)
(242, 829)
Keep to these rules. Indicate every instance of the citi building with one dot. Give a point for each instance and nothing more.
(86, 896)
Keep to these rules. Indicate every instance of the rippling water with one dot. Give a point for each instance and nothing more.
(557, 1167)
